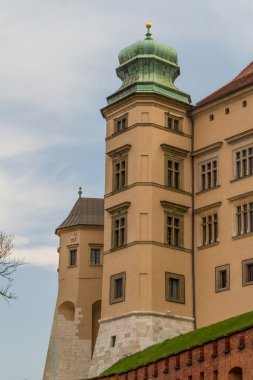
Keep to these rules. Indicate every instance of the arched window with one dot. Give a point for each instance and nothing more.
(67, 309)
(235, 374)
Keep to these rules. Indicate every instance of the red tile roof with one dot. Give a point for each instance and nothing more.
(244, 79)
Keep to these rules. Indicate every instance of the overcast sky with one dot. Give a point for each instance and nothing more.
(57, 65)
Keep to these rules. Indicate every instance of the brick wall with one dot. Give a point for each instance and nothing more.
(215, 360)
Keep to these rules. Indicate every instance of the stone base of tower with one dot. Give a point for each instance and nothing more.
(68, 356)
(126, 334)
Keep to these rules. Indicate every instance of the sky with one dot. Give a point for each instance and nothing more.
(57, 65)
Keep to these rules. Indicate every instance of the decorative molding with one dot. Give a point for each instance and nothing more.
(157, 243)
(146, 313)
(148, 125)
(207, 207)
(148, 184)
(172, 207)
(206, 190)
(207, 149)
(118, 208)
(119, 151)
(201, 247)
(244, 196)
(240, 137)
(174, 150)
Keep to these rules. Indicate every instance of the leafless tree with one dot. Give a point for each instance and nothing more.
(8, 265)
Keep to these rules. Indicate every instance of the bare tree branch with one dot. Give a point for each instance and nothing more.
(8, 266)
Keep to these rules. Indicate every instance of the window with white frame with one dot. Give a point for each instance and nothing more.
(209, 229)
(244, 162)
(244, 218)
(209, 174)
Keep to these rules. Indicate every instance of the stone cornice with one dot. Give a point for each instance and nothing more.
(207, 149)
(170, 206)
(119, 151)
(207, 208)
(118, 208)
(146, 313)
(240, 137)
(174, 150)
(240, 197)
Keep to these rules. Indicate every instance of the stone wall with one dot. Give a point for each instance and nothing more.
(227, 358)
(126, 334)
(68, 357)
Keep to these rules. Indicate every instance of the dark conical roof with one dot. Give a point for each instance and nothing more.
(86, 211)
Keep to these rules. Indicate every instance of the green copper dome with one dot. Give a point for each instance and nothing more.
(150, 47)
(148, 66)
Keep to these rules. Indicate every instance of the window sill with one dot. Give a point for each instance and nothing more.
(96, 265)
(72, 266)
(208, 245)
(242, 236)
(175, 301)
(239, 178)
(117, 300)
(248, 283)
(206, 190)
(221, 290)
(177, 190)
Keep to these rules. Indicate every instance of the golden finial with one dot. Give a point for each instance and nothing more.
(148, 34)
(148, 25)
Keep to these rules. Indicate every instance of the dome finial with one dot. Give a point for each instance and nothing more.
(80, 192)
(148, 34)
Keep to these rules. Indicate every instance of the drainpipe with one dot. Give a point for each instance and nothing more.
(193, 224)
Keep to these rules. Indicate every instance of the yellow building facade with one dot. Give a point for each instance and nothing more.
(169, 248)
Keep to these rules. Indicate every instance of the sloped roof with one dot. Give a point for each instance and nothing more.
(243, 79)
(86, 211)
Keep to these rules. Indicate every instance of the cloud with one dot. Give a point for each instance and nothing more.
(44, 256)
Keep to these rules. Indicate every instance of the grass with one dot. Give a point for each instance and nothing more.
(181, 343)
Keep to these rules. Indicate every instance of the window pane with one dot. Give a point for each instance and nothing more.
(73, 257)
(176, 125)
(174, 288)
(118, 288)
(249, 272)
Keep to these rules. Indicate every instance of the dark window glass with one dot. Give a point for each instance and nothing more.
(73, 257)
(118, 288)
(95, 256)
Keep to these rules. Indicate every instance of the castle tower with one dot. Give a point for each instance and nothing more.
(147, 268)
(78, 306)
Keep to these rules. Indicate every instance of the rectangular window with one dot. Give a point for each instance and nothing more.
(209, 229)
(209, 174)
(120, 170)
(244, 218)
(117, 287)
(244, 162)
(222, 278)
(173, 173)
(95, 256)
(247, 272)
(120, 124)
(174, 287)
(119, 231)
(72, 257)
(174, 124)
(174, 230)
